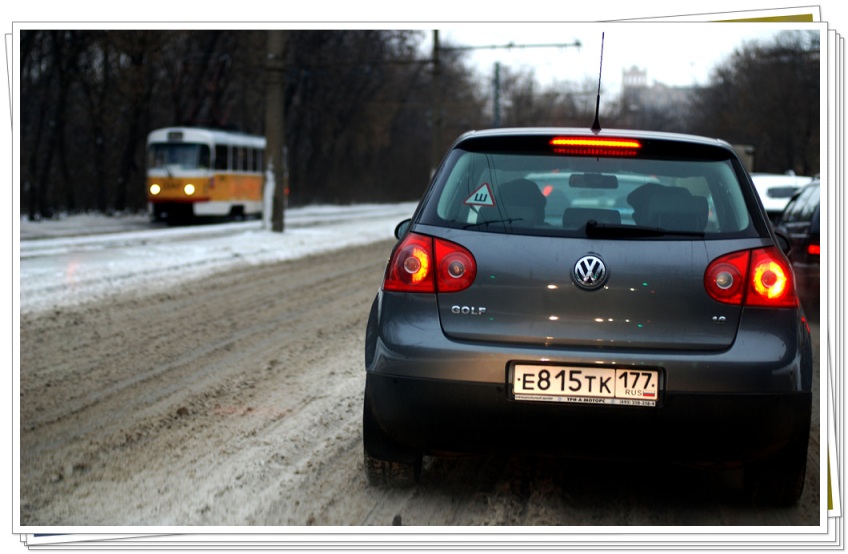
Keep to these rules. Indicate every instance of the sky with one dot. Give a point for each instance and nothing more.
(672, 53)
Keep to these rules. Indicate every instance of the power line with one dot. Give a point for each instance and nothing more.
(509, 46)
(512, 45)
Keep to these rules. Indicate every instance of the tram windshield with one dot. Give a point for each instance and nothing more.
(181, 155)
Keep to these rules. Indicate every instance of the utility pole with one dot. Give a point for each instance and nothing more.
(496, 103)
(436, 118)
(274, 125)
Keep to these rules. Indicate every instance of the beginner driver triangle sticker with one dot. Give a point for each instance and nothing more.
(481, 197)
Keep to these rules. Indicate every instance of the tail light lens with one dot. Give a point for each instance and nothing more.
(772, 281)
(410, 267)
(761, 277)
(426, 264)
(725, 277)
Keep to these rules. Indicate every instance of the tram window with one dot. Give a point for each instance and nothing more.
(203, 160)
(221, 155)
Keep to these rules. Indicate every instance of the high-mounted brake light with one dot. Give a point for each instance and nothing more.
(588, 146)
(761, 277)
(426, 264)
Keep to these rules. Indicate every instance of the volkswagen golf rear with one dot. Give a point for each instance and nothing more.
(610, 294)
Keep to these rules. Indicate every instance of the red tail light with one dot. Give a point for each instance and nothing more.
(814, 249)
(761, 277)
(772, 280)
(410, 267)
(725, 277)
(425, 264)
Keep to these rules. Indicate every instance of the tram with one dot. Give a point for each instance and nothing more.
(196, 172)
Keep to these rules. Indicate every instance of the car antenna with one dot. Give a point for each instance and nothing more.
(596, 125)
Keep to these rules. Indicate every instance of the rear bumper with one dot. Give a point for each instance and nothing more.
(440, 416)
(434, 394)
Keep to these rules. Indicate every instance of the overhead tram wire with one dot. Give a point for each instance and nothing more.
(437, 108)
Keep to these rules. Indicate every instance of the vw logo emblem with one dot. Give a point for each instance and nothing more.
(589, 272)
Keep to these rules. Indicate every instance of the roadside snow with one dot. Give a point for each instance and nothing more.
(76, 265)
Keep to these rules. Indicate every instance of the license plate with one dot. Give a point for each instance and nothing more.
(586, 385)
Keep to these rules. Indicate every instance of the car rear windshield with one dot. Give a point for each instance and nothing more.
(544, 194)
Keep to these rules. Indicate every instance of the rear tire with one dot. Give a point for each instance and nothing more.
(383, 473)
(779, 480)
(387, 463)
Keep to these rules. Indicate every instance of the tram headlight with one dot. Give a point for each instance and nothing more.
(155, 189)
(189, 189)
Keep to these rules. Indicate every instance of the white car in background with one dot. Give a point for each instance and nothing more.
(776, 189)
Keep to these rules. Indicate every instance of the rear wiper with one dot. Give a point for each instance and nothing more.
(491, 222)
(595, 229)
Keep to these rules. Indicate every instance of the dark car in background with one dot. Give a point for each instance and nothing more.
(611, 295)
(776, 189)
(801, 223)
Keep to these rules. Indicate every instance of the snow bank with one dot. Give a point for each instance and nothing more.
(74, 268)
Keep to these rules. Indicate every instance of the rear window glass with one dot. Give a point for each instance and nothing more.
(559, 195)
(803, 206)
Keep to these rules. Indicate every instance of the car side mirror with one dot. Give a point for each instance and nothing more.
(402, 228)
(783, 241)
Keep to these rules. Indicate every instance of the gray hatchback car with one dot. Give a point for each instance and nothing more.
(611, 294)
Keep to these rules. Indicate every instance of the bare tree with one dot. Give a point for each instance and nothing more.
(49, 67)
(563, 103)
(358, 120)
(767, 95)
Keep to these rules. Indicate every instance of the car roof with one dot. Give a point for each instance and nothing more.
(815, 182)
(780, 179)
(572, 131)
